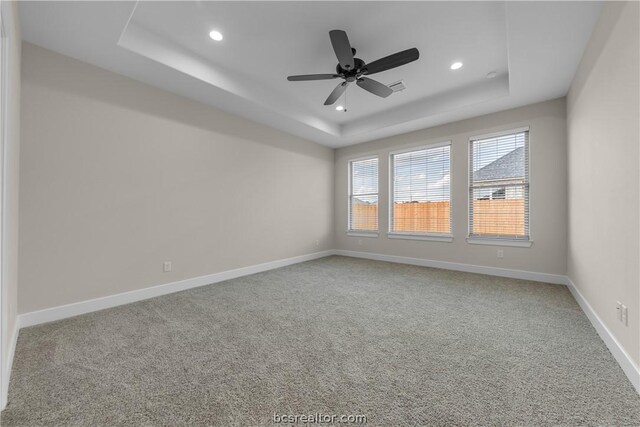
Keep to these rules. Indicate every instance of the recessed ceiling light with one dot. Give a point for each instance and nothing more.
(456, 65)
(491, 74)
(215, 35)
(340, 108)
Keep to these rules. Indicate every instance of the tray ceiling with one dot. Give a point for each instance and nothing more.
(531, 48)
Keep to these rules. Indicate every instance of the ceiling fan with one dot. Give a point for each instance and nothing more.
(352, 69)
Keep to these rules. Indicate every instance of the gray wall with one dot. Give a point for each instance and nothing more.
(547, 191)
(603, 115)
(11, 187)
(117, 177)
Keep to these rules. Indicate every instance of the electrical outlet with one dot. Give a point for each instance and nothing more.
(166, 266)
(317, 242)
(619, 310)
(500, 253)
(625, 317)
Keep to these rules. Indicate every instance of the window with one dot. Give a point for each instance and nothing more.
(420, 192)
(499, 186)
(363, 195)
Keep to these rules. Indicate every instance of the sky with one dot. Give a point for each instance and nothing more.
(422, 176)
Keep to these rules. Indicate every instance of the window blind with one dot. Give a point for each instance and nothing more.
(499, 186)
(421, 191)
(363, 195)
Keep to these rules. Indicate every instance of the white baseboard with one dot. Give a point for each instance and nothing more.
(627, 364)
(6, 373)
(469, 268)
(75, 309)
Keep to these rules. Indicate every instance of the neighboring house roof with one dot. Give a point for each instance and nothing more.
(511, 165)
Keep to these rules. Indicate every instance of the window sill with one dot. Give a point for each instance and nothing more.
(499, 242)
(429, 237)
(355, 233)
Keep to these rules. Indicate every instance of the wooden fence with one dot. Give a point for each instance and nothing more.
(498, 216)
(364, 216)
(426, 217)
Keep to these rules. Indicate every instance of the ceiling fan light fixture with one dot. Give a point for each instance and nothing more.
(456, 65)
(216, 35)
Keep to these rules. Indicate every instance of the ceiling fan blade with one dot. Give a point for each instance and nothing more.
(337, 92)
(374, 87)
(342, 48)
(305, 77)
(393, 61)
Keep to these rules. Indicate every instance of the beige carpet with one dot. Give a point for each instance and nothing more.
(401, 345)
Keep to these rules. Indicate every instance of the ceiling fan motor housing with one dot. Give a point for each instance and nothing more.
(353, 74)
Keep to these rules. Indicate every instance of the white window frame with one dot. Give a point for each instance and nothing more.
(490, 240)
(354, 232)
(435, 237)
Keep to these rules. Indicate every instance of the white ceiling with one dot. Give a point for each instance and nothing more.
(534, 47)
